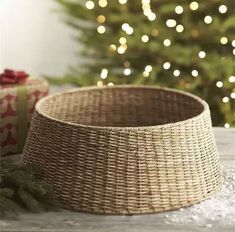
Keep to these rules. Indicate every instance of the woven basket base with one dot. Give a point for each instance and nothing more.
(125, 149)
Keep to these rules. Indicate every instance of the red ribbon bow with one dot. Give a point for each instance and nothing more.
(13, 77)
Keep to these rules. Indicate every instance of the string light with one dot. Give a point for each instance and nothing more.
(110, 84)
(179, 28)
(232, 95)
(202, 54)
(121, 49)
(167, 42)
(224, 40)
(104, 73)
(122, 40)
(100, 83)
(233, 43)
(225, 99)
(112, 47)
(103, 3)
(152, 16)
(231, 79)
(223, 9)
(194, 73)
(145, 38)
(127, 28)
(166, 65)
(226, 125)
(127, 71)
(100, 19)
(219, 84)
(179, 9)
(145, 74)
(147, 10)
(122, 1)
(148, 68)
(90, 5)
(234, 51)
(171, 23)
(208, 19)
(194, 5)
(101, 29)
(176, 72)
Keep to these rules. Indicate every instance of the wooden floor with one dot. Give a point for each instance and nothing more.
(72, 221)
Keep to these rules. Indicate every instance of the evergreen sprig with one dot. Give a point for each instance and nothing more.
(21, 188)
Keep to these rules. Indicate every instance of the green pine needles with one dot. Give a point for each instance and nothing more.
(187, 45)
(22, 189)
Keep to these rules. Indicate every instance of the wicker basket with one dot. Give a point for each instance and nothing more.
(125, 149)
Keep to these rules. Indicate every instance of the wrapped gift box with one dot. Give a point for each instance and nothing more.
(17, 102)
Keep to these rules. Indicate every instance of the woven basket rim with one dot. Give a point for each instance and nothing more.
(116, 128)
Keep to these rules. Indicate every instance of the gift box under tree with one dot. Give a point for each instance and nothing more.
(18, 96)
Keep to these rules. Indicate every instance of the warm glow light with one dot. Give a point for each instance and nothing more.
(122, 40)
(145, 38)
(112, 47)
(100, 83)
(171, 23)
(176, 73)
(104, 73)
(225, 99)
(233, 43)
(193, 6)
(223, 9)
(166, 65)
(121, 50)
(103, 3)
(167, 42)
(194, 73)
(125, 26)
(179, 9)
(226, 125)
(179, 28)
(224, 40)
(101, 29)
(129, 31)
(232, 95)
(219, 84)
(151, 16)
(208, 19)
(202, 54)
(100, 19)
(110, 84)
(145, 74)
(122, 1)
(234, 51)
(127, 71)
(148, 68)
(90, 5)
(231, 79)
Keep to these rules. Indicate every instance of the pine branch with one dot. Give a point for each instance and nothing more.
(21, 188)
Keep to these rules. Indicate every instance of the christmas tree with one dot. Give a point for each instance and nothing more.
(174, 43)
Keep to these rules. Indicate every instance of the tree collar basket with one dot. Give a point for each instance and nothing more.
(125, 149)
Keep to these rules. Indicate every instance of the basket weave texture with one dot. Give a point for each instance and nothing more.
(125, 149)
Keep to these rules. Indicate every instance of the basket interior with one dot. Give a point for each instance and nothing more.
(121, 107)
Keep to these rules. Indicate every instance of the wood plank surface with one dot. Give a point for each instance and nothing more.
(71, 221)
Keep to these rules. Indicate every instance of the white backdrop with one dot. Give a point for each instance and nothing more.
(34, 38)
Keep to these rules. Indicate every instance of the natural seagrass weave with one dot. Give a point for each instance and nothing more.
(125, 149)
